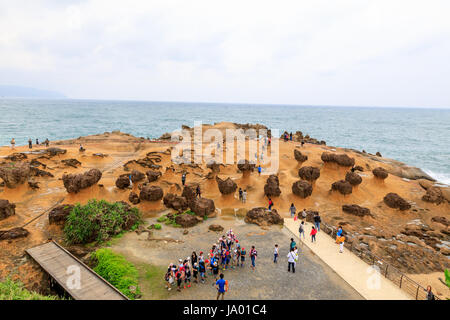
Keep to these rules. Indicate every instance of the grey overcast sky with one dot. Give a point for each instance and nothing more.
(317, 52)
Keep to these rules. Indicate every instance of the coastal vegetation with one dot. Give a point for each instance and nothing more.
(15, 290)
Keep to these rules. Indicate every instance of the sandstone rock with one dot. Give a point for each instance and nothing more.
(216, 227)
(17, 156)
(245, 166)
(378, 154)
(299, 156)
(33, 184)
(153, 175)
(394, 201)
(36, 172)
(227, 186)
(203, 207)
(75, 182)
(263, 217)
(441, 220)
(425, 183)
(71, 162)
(272, 186)
(175, 202)
(356, 210)
(434, 195)
(134, 198)
(123, 181)
(7, 209)
(14, 233)
(137, 176)
(58, 215)
(151, 193)
(354, 178)
(341, 159)
(380, 173)
(54, 151)
(309, 173)
(215, 167)
(15, 174)
(302, 188)
(186, 220)
(343, 186)
(359, 168)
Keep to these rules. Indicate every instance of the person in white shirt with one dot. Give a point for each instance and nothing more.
(291, 260)
(275, 254)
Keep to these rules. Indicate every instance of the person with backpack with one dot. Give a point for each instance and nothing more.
(242, 254)
(270, 204)
(253, 255)
(198, 192)
(313, 234)
(292, 244)
(292, 209)
(291, 260)
(221, 286)
(202, 270)
(317, 221)
(338, 233)
(301, 230)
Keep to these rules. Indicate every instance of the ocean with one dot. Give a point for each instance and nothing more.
(417, 136)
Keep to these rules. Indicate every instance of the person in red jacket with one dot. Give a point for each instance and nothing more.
(313, 234)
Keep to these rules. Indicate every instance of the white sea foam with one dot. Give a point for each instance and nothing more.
(440, 177)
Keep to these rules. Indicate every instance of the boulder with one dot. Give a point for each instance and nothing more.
(54, 151)
(36, 172)
(175, 202)
(425, 184)
(441, 220)
(134, 198)
(227, 186)
(7, 209)
(434, 195)
(17, 156)
(378, 154)
(203, 206)
(356, 210)
(153, 175)
(309, 173)
(137, 176)
(272, 186)
(340, 159)
(394, 201)
(245, 166)
(358, 168)
(58, 215)
(14, 233)
(380, 173)
(186, 220)
(343, 186)
(75, 182)
(151, 193)
(216, 227)
(71, 162)
(33, 184)
(354, 178)
(189, 194)
(299, 156)
(123, 181)
(214, 166)
(263, 217)
(15, 174)
(302, 188)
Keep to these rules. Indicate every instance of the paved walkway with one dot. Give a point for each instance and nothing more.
(358, 274)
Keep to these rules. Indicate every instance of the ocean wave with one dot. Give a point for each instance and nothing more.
(440, 177)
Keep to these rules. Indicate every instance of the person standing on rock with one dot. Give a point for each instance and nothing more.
(317, 221)
(270, 204)
(292, 209)
(240, 194)
(37, 141)
(46, 142)
(30, 143)
(303, 143)
(259, 169)
(183, 178)
(13, 143)
(313, 234)
(244, 196)
(301, 230)
(253, 255)
(275, 254)
(198, 192)
(291, 260)
(290, 136)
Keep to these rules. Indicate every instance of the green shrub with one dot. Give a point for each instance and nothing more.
(15, 290)
(190, 212)
(121, 273)
(157, 226)
(162, 219)
(447, 277)
(99, 220)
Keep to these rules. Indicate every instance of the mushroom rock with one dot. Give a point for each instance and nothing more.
(343, 186)
(245, 166)
(227, 186)
(54, 151)
(151, 193)
(58, 215)
(75, 182)
(134, 198)
(434, 195)
(15, 174)
(354, 178)
(123, 181)
(263, 217)
(356, 210)
(299, 156)
(186, 220)
(309, 173)
(272, 186)
(341, 159)
(394, 201)
(71, 162)
(380, 173)
(189, 194)
(302, 188)
(214, 166)
(203, 206)
(175, 202)
(137, 176)
(7, 209)
(153, 175)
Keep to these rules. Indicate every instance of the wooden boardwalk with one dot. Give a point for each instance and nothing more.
(64, 267)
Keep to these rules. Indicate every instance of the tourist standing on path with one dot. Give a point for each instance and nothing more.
(253, 255)
(194, 257)
(313, 234)
(275, 254)
(244, 196)
(13, 143)
(198, 192)
(202, 270)
(290, 136)
(291, 260)
(301, 230)
(430, 295)
(341, 240)
(183, 178)
(242, 254)
(270, 204)
(317, 221)
(222, 287)
(338, 233)
(30, 143)
(259, 169)
(240, 194)
(292, 209)
(37, 141)
(292, 244)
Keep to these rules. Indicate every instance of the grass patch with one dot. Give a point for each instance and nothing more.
(15, 290)
(99, 220)
(151, 281)
(121, 273)
(157, 226)
(169, 219)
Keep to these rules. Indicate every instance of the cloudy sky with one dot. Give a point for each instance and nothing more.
(346, 52)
